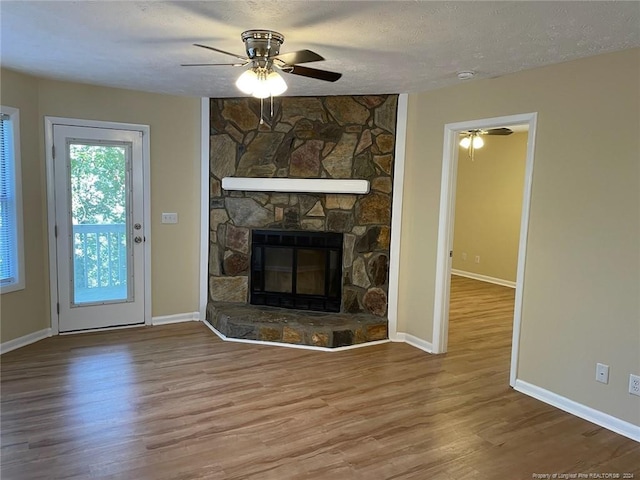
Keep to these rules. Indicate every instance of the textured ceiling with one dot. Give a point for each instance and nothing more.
(379, 46)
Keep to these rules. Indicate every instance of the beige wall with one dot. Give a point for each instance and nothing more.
(489, 205)
(582, 276)
(26, 311)
(175, 171)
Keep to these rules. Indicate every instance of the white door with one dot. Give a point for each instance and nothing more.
(100, 237)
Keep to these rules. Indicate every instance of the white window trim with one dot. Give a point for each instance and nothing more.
(14, 115)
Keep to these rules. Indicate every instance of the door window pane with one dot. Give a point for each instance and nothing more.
(99, 215)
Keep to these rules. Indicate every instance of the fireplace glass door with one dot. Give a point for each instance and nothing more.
(301, 270)
(278, 270)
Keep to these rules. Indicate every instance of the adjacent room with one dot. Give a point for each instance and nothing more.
(352, 239)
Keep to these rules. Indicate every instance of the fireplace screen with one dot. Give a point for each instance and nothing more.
(300, 270)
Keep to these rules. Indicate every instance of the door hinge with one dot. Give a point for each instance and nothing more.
(55, 231)
(53, 151)
(450, 253)
(58, 308)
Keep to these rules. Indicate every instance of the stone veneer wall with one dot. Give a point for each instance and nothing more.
(308, 137)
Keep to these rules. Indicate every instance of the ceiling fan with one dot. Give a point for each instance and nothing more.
(263, 54)
(472, 139)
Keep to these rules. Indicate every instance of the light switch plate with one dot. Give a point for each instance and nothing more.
(169, 218)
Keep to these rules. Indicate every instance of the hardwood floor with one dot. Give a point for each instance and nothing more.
(175, 402)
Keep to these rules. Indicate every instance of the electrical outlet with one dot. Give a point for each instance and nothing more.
(602, 373)
(464, 256)
(169, 218)
(634, 384)
(477, 259)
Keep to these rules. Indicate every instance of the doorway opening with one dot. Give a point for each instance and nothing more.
(473, 259)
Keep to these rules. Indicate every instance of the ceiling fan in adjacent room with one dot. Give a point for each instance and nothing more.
(472, 139)
(263, 56)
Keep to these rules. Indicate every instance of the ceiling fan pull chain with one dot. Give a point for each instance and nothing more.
(261, 111)
(271, 107)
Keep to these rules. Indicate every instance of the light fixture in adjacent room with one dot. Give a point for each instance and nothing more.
(471, 141)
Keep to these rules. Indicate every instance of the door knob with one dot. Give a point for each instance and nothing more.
(138, 239)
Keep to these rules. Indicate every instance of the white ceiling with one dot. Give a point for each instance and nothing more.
(379, 46)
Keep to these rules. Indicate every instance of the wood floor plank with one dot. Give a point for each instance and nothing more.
(175, 402)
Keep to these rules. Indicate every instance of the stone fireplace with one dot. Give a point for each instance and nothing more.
(342, 137)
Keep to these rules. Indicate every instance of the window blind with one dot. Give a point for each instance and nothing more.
(8, 221)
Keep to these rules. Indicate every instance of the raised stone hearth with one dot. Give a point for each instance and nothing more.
(318, 329)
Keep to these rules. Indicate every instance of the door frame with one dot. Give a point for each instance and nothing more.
(49, 123)
(446, 224)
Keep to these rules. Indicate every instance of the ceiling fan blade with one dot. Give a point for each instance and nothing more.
(498, 131)
(313, 73)
(221, 51)
(212, 64)
(301, 56)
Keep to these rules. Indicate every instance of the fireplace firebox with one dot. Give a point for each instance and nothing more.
(292, 269)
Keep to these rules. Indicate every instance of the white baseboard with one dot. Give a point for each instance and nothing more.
(177, 318)
(25, 340)
(414, 341)
(47, 332)
(484, 278)
(291, 345)
(604, 420)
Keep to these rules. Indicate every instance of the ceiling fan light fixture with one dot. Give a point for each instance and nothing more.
(477, 141)
(263, 54)
(246, 82)
(276, 83)
(261, 89)
(261, 82)
(472, 140)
